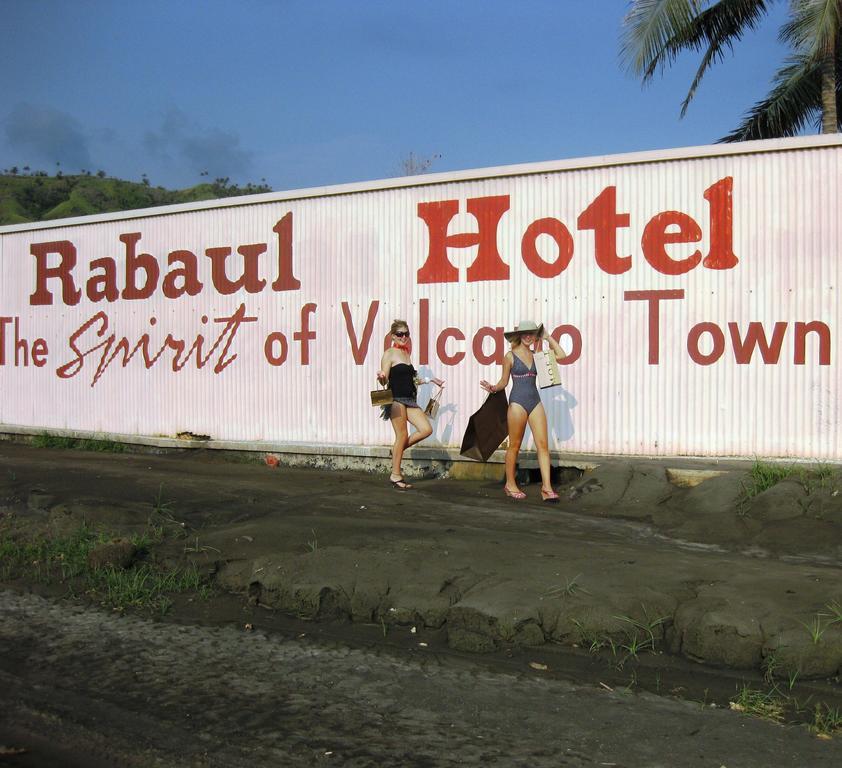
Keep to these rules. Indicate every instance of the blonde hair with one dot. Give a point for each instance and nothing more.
(396, 324)
(517, 340)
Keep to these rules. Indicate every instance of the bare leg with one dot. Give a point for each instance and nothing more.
(538, 425)
(419, 420)
(399, 424)
(516, 417)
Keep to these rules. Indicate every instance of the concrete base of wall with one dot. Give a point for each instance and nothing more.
(421, 461)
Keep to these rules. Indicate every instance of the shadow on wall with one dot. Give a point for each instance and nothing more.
(443, 423)
(559, 406)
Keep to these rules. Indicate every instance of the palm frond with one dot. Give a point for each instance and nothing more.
(648, 28)
(720, 26)
(794, 102)
(814, 26)
(657, 31)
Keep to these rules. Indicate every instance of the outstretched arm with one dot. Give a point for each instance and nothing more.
(504, 376)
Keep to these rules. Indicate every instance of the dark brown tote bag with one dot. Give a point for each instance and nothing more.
(487, 428)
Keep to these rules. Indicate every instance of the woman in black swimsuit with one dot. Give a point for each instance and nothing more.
(396, 369)
(525, 405)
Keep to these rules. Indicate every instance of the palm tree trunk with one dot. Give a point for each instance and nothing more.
(830, 120)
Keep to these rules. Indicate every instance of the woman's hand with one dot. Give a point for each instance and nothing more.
(488, 386)
(382, 377)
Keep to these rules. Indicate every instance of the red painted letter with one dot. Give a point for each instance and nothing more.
(488, 265)
(103, 286)
(654, 299)
(441, 346)
(248, 280)
(756, 337)
(360, 350)
(655, 237)
(801, 331)
(70, 294)
(496, 335)
(693, 343)
(305, 334)
(134, 262)
(558, 232)
(721, 254)
(602, 217)
(191, 285)
(285, 281)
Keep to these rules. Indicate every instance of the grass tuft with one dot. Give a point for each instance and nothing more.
(818, 626)
(761, 477)
(763, 704)
(827, 721)
(45, 440)
(142, 587)
(568, 589)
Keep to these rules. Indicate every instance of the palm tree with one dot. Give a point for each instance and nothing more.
(806, 87)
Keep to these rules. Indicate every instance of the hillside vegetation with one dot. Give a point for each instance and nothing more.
(38, 197)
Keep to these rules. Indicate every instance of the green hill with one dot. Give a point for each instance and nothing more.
(38, 197)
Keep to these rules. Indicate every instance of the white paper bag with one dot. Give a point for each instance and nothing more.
(547, 368)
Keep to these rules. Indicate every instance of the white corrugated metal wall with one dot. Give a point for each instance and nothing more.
(365, 244)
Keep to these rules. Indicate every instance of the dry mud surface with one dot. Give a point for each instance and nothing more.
(726, 588)
(706, 577)
(104, 690)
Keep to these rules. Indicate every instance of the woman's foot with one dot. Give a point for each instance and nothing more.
(549, 496)
(398, 483)
(514, 494)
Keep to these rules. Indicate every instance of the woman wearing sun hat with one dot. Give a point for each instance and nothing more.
(525, 405)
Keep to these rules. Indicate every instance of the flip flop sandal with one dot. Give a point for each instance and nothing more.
(549, 497)
(399, 484)
(518, 495)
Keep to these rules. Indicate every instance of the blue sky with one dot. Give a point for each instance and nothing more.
(320, 92)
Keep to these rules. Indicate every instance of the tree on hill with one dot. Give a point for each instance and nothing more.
(35, 196)
(805, 88)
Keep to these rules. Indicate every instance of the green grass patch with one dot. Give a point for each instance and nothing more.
(48, 559)
(761, 477)
(64, 560)
(142, 586)
(765, 475)
(638, 635)
(764, 704)
(827, 721)
(45, 440)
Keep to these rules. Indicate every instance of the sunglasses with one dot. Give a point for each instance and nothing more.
(401, 334)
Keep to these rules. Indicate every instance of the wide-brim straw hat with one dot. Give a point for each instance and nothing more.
(525, 326)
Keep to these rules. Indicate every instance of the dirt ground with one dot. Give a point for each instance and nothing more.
(84, 688)
(711, 584)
